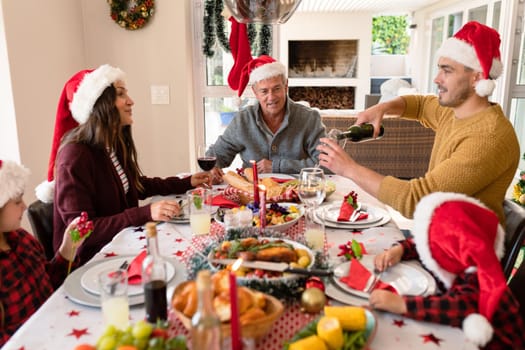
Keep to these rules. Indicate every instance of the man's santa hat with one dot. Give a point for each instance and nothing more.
(13, 179)
(476, 46)
(75, 105)
(260, 68)
(455, 233)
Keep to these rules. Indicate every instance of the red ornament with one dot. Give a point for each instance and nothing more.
(314, 282)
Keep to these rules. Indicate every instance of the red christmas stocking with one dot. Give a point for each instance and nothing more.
(241, 52)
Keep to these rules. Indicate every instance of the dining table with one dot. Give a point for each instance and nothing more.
(72, 316)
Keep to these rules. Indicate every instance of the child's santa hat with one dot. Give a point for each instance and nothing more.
(260, 68)
(476, 46)
(13, 179)
(75, 105)
(455, 233)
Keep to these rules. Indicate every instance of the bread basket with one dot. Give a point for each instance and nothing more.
(254, 329)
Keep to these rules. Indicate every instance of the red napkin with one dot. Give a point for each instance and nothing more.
(347, 207)
(358, 277)
(135, 269)
(221, 201)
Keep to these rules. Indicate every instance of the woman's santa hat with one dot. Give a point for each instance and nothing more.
(476, 46)
(75, 105)
(13, 179)
(455, 233)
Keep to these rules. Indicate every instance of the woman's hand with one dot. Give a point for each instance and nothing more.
(388, 258)
(164, 210)
(202, 178)
(68, 248)
(388, 301)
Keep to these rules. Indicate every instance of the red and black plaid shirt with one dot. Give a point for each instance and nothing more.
(452, 306)
(27, 279)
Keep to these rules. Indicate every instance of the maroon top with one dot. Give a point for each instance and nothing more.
(86, 180)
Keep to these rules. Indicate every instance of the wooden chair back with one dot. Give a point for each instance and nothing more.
(514, 234)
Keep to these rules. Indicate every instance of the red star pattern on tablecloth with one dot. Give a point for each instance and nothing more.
(399, 323)
(430, 337)
(139, 229)
(110, 255)
(140, 238)
(179, 240)
(22, 348)
(178, 253)
(77, 333)
(73, 313)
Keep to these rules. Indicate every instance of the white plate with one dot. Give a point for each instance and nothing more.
(89, 280)
(295, 244)
(280, 227)
(374, 214)
(407, 279)
(79, 295)
(277, 176)
(355, 225)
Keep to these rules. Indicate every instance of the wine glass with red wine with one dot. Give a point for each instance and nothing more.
(206, 157)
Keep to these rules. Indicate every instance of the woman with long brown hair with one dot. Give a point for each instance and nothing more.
(96, 164)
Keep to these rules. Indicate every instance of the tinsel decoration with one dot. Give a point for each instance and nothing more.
(219, 26)
(259, 35)
(209, 28)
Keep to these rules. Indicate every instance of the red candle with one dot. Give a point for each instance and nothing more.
(255, 183)
(234, 322)
(262, 209)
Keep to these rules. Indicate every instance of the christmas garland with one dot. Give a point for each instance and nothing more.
(260, 36)
(518, 194)
(131, 17)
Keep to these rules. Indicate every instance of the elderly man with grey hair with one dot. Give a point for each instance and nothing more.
(279, 134)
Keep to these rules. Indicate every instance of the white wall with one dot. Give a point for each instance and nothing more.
(46, 47)
(326, 26)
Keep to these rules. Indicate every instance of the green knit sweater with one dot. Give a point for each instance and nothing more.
(477, 156)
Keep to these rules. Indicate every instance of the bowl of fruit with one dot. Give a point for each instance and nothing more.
(140, 336)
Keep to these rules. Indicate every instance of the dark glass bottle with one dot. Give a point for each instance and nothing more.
(205, 324)
(360, 133)
(154, 279)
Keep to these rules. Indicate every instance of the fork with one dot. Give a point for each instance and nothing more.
(122, 267)
(355, 214)
(375, 280)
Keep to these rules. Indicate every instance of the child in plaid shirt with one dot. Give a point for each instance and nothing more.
(460, 242)
(27, 279)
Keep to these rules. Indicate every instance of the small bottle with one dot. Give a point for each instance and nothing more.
(360, 133)
(154, 279)
(205, 324)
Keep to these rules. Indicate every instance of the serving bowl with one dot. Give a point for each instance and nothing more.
(255, 329)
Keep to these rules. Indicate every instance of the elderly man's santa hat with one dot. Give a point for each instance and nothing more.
(455, 233)
(76, 103)
(260, 68)
(13, 179)
(476, 46)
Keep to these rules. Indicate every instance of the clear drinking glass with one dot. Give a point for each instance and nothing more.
(199, 207)
(311, 189)
(314, 231)
(113, 285)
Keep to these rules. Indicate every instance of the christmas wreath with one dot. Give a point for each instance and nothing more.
(131, 15)
(518, 194)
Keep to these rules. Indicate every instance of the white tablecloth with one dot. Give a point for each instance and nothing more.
(62, 324)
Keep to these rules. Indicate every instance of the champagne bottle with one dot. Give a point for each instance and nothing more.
(154, 279)
(205, 324)
(360, 133)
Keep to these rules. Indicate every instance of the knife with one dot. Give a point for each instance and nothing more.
(275, 266)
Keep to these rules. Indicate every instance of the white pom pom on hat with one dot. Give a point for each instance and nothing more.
(13, 178)
(75, 105)
(476, 46)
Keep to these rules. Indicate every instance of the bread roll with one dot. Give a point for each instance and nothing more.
(251, 315)
(237, 181)
(273, 189)
(248, 173)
